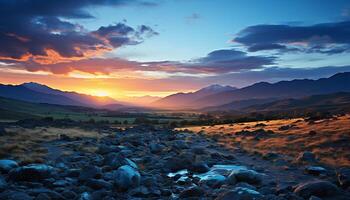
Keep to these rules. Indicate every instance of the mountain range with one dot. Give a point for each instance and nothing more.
(38, 93)
(261, 92)
(213, 97)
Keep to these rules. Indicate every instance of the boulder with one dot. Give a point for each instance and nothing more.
(343, 176)
(127, 177)
(155, 148)
(306, 156)
(315, 170)
(317, 188)
(15, 195)
(3, 184)
(199, 167)
(97, 184)
(7, 165)
(89, 172)
(30, 173)
(193, 191)
(248, 176)
(240, 193)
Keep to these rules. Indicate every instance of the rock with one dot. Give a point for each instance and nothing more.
(155, 148)
(315, 170)
(194, 191)
(199, 150)
(127, 177)
(180, 144)
(14, 195)
(182, 161)
(7, 165)
(314, 198)
(343, 176)
(43, 196)
(213, 181)
(248, 176)
(32, 172)
(115, 160)
(69, 194)
(85, 196)
(317, 188)
(3, 184)
(89, 172)
(306, 156)
(240, 193)
(97, 184)
(199, 167)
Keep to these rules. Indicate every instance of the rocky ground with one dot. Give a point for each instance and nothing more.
(148, 163)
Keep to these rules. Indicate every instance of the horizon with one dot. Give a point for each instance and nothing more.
(104, 49)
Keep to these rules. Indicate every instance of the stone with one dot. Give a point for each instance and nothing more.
(240, 193)
(155, 148)
(97, 184)
(248, 176)
(315, 170)
(343, 176)
(7, 165)
(89, 172)
(306, 156)
(32, 172)
(193, 191)
(15, 195)
(199, 167)
(316, 188)
(3, 184)
(127, 177)
(43, 196)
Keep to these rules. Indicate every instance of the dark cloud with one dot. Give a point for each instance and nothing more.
(41, 31)
(230, 60)
(319, 38)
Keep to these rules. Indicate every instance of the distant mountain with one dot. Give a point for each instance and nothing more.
(238, 105)
(142, 100)
(340, 99)
(183, 100)
(38, 93)
(284, 89)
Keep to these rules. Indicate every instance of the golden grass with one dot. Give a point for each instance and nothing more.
(330, 143)
(29, 145)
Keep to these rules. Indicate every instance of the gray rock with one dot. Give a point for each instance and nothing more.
(306, 156)
(85, 196)
(248, 176)
(97, 184)
(14, 195)
(127, 177)
(89, 172)
(343, 176)
(3, 184)
(155, 148)
(316, 188)
(315, 170)
(43, 196)
(199, 167)
(193, 191)
(240, 193)
(32, 172)
(7, 165)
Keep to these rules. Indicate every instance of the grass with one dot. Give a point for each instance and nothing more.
(328, 139)
(30, 145)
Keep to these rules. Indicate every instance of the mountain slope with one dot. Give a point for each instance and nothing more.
(181, 100)
(327, 100)
(83, 99)
(284, 89)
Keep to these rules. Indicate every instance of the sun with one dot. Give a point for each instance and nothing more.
(100, 93)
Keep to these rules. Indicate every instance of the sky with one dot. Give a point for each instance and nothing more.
(124, 48)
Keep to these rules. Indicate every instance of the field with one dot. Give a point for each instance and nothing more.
(328, 139)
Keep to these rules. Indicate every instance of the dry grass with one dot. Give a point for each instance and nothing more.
(328, 139)
(28, 145)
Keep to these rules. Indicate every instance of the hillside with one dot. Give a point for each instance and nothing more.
(281, 90)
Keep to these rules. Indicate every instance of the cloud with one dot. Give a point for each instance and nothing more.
(41, 31)
(215, 63)
(192, 18)
(327, 38)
